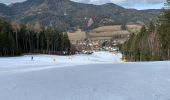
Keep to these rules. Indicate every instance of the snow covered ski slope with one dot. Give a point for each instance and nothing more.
(101, 76)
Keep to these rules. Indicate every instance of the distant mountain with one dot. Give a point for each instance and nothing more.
(5, 11)
(66, 14)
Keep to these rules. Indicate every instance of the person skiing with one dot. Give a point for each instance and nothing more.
(32, 58)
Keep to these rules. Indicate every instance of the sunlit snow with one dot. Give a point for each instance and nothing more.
(101, 76)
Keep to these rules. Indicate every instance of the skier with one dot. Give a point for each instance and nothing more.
(32, 58)
(54, 60)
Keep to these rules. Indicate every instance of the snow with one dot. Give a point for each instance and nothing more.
(101, 76)
(10, 65)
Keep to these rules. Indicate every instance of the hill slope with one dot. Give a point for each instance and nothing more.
(66, 14)
(84, 77)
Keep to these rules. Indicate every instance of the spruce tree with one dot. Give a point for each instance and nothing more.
(26, 39)
(164, 31)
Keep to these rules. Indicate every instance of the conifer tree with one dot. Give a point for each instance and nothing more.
(17, 39)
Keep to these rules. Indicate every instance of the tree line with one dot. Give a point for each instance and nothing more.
(152, 42)
(17, 39)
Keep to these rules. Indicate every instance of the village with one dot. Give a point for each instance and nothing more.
(105, 38)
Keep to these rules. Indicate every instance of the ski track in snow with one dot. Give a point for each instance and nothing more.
(101, 76)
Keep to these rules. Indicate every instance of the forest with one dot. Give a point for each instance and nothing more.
(152, 43)
(17, 39)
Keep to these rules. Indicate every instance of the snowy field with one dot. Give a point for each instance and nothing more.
(101, 76)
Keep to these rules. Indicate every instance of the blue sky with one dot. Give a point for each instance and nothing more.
(146, 6)
(137, 4)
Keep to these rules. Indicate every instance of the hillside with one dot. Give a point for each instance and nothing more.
(76, 36)
(68, 15)
(105, 33)
(5, 11)
(109, 32)
(100, 76)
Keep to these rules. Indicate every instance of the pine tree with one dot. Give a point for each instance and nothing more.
(16, 39)
(66, 41)
(164, 30)
(37, 30)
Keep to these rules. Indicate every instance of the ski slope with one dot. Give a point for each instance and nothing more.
(101, 76)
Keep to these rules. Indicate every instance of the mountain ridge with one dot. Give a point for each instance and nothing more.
(68, 15)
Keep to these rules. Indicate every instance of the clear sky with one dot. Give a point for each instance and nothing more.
(138, 4)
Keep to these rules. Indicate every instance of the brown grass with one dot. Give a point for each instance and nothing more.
(77, 35)
(107, 28)
(108, 34)
(134, 28)
(103, 33)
